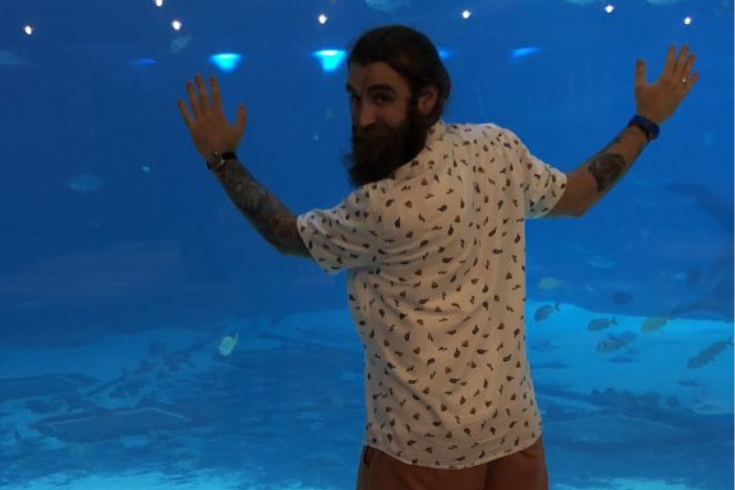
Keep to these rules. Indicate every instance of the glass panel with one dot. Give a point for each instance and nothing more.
(150, 338)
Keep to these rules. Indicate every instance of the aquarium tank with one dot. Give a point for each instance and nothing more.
(151, 338)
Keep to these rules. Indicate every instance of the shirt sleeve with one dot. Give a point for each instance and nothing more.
(343, 237)
(543, 185)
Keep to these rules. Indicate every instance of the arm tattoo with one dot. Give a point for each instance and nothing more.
(606, 168)
(265, 212)
(610, 164)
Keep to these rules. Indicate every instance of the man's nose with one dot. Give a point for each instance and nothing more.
(365, 115)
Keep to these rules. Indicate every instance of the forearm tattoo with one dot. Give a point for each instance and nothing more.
(606, 168)
(265, 212)
(610, 164)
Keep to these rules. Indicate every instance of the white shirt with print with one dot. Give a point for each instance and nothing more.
(435, 255)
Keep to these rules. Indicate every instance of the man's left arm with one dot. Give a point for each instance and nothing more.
(655, 103)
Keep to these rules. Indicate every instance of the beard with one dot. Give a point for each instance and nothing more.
(379, 150)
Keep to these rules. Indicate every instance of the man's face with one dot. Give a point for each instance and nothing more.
(388, 123)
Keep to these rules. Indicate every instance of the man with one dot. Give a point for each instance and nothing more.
(433, 240)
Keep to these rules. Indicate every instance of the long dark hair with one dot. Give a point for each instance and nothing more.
(411, 54)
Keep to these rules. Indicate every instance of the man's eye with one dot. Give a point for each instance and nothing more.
(382, 99)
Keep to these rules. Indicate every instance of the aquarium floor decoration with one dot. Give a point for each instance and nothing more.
(36, 386)
(113, 425)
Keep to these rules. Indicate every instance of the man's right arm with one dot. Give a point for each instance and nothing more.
(265, 212)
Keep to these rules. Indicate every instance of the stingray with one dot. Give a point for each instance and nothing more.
(718, 285)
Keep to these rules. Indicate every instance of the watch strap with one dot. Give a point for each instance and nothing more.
(649, 127)
(218, 159)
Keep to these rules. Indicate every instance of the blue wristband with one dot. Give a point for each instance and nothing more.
(649, 127)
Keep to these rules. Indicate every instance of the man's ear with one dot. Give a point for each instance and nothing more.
(428, 97)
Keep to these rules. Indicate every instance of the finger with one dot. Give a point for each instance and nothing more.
(216, 98)
(681, 62)
(185, 113)
(640, 74)
(203, 101)
(241, 121)
(193, 100)
(688, 66)
(690, 83)
(670, 63)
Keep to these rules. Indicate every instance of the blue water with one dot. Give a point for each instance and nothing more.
(123, 264)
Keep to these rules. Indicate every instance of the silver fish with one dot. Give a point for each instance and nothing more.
(706, 355)
(611, 344)
(655, 322)
(615, 342)
(544, 312)
(601, 323)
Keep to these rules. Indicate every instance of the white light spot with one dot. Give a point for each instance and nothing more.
(609, 8)
(177, 25)
(687, 20)
(28, 30)
(466, 14)
(159, 3)
(323, 19)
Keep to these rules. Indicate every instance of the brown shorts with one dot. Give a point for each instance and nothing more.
(524, 470)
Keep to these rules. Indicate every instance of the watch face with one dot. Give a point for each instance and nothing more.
(214, 160)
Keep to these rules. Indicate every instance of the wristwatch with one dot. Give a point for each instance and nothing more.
(217, 159)
(649, 128)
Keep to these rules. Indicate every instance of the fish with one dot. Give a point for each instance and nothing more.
(719, 208)
(180, 43)
(548, 283)
(718, 295)
(609, 345)
(655, 323)
(542, 345)
(624, 358)
(519, 53)
(84, 183)
(10, 59)
(544, 312)
(706, 405)
(552, 365)
(621, 298)
(724, 9)
(387, 5)
(601, 323)
(709, 353)
(227, 344)
(615, 342)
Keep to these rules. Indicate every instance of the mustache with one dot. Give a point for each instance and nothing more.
(376, 130)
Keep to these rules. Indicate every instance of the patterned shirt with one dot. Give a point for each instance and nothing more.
(435, 255)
